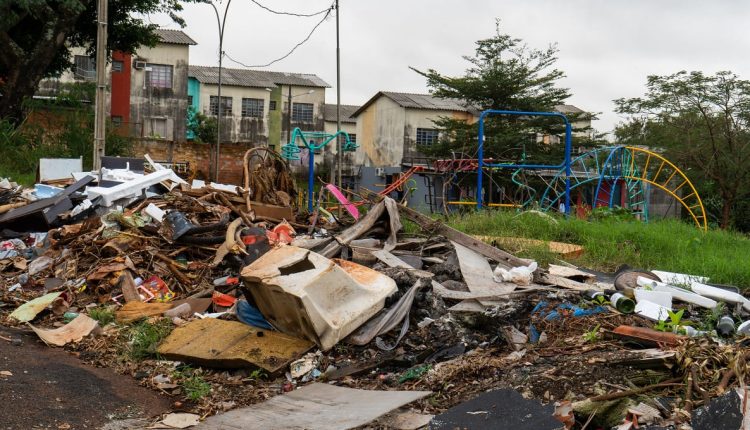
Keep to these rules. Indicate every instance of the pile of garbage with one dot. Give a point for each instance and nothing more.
(269, 304)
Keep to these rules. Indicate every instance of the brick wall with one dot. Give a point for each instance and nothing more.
(199, 155)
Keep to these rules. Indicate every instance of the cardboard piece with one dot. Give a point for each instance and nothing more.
(73, 331)
(314, 407)
(217, 343)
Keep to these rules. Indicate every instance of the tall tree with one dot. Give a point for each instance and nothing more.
(36, 37)
(505, 74)
(700, 121)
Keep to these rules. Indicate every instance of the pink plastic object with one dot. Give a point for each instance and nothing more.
(344, 201)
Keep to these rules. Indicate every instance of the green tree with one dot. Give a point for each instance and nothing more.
(36, 36)
(505, 74)
(701, 123)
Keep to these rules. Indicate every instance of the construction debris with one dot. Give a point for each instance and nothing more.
(230, 296)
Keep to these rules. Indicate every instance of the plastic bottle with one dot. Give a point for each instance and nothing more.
(725, 326)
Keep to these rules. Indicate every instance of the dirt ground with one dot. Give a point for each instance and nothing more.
(52, 389)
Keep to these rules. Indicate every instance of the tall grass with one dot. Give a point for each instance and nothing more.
(670, 245)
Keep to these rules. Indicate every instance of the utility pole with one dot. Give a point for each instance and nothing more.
(339, 147)
(100, 104)
(221, 23)
(289, 113)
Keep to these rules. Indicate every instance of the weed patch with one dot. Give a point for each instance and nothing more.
(145, 337)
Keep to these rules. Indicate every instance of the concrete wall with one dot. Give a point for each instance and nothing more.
(199, 155)
(151, 107)
(380, 134)
(236, 128)
(424, 118)
(387, 132)
(349, 127)
(300, 95)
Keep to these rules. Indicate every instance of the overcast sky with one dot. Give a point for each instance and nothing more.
(607, 48)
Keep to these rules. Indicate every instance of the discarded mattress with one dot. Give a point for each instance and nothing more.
(305, 294)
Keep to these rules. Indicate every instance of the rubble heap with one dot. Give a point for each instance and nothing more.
(226, 297)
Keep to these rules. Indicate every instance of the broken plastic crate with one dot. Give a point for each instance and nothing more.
(305, 294)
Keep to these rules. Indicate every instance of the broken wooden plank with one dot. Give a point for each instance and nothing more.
(355, 231)
(389, 259)
(506, 259)
(228, 344)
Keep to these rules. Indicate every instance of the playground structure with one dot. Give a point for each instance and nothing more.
(291, 151)
(616, 176)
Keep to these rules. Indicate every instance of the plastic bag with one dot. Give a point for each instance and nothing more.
(522, 275)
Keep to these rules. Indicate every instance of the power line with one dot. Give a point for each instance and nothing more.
(328, 12)
(303, 15)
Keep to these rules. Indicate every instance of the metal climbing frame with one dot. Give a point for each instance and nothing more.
(291, 151)
(564, 165)
(634, 167)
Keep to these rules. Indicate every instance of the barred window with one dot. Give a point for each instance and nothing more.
(302, 112)
(159, 75)
(272, 105)
(84, 68)
(252, 107)
(226, 106)
(427, 136)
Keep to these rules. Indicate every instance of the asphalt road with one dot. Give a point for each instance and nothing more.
(51, 389)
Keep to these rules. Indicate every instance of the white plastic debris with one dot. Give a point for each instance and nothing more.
(678, 293)
(86, 204)
(652, 311)
(521, 275)
(661, 298)
(678, 278)
(154, 212)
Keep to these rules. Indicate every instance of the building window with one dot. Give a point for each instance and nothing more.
(117, 66)
(272, 105)
(302, 112)
(252, 107)
(159, 128)
(226, 106)
(427, 136)
(190, 101)
(159, 75)
(84, 67)
(352, 138)
(116, 121)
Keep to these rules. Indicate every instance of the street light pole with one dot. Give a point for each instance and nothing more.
(221, 24)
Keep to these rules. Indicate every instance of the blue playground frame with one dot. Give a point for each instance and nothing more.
(565, 164)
